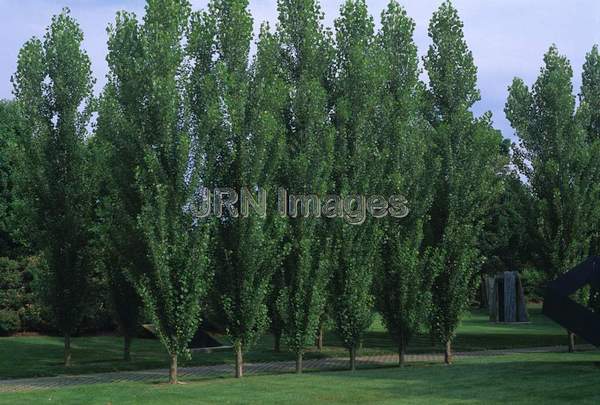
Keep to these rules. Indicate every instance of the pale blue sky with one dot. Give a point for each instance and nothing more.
(507, 37)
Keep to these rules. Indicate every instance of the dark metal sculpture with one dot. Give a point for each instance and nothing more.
(571, 315)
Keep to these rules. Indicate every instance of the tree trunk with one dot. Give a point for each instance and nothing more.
(571, 336)
(401, 354)
(127, 348)
(239, 361)
(483, 301)
(448, 353)
(67, 352)
(277, 344)
(299, 363)
(320, 338)
(173, 370)
(353, 358)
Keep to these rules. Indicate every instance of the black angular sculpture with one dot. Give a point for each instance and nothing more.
(574, 317)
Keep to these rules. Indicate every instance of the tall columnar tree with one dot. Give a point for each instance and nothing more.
(119, 154)
(559, 161)
(11, 132)
(246, 139)
(589, 95)
(268, 98)
(468, 149)
(275, 322)
(305, 56)
(53, 86)
(355, 103)
(403, 280)
(147, 68)
(589, 114)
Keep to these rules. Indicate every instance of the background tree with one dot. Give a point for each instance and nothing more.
(245, 138)
(559, 163)
(305, 55)
(589, 95)
(355, 103)
(468, 149)
(403, 282)
(17, 300)
(275, 321)
(510, 240)
(118, 155)
(11, 133)
(268, 97)
(589, 113)
(53, 85)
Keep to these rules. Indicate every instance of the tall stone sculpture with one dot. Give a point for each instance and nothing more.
(506, 299)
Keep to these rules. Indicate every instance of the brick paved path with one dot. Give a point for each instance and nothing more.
(26, 384)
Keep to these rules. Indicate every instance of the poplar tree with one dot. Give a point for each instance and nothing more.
(147, 65)
(468, 149)
(305, 55)
(559, 162)
(11, 132)
(355, 95)
(245, 133)
(403, 278)
(53, 87)
(589, 115)
(119, 154)
(589, 96)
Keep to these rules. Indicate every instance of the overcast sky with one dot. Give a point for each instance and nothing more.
(508, 37)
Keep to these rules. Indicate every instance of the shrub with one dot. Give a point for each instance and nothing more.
(533, 281)
(9, 322)
(18, 293)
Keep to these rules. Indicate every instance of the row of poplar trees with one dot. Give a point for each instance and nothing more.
(108, 182)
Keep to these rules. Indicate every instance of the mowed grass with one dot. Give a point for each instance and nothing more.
(35, 356)
(549, 378)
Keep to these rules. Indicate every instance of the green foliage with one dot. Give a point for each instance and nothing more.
(147, 60)
(20, 293)
(11, 131)
(306, 56)
(13, 295)
(121, 248)
(449, 65)
(469, 151)
(588, 115)
(403, 281)
(355, 101)
(589, 96)
(53, 87)
(533, 280)
(268, 97)
(559, 161)
(183, 108)
(243, 140)
(9, 322)
(510, 241)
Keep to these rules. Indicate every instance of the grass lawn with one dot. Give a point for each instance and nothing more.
(550, 378)
(31, 356)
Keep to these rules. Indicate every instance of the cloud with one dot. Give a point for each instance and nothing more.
(508, 37)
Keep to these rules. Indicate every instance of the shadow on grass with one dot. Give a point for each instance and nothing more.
(37, 356)
(545, 378)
